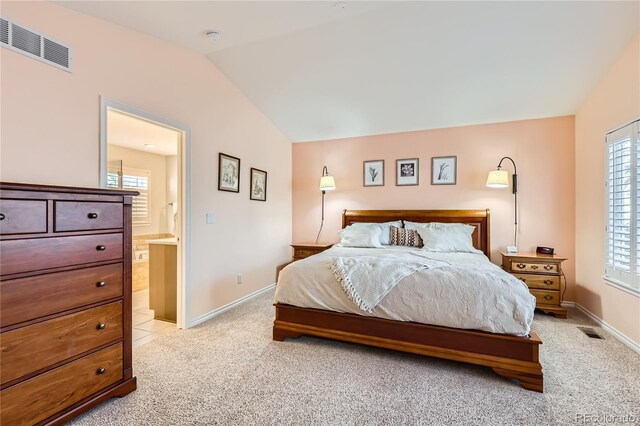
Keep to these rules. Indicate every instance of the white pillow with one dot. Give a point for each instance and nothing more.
(418, 225)
(360, 236)
(385, 229)
(447, 238)
(415, 225)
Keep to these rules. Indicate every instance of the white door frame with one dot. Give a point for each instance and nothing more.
(184, 155)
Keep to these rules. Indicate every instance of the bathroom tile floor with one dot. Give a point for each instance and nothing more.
(145, 328)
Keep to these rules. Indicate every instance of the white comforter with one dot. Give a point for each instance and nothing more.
(470, 293)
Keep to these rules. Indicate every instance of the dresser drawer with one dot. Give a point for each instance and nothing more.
(43, 253)
(42, 396)
(85, 216)
(31, 348)
(549, 282)
(544, 297)
(23, 216)
(24, 299)
(550, 268)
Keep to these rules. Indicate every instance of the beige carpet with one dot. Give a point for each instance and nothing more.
(228, 371)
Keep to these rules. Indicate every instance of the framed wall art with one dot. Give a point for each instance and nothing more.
(228, 173)
(373, 173)
(444, 170)
(258, 190)
(407, 172)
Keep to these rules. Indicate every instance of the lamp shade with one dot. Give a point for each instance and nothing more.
(498, 179)
(327, 183)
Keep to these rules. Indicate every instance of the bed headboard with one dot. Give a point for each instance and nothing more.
(479, 219)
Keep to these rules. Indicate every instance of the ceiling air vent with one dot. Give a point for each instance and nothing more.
(35, 45)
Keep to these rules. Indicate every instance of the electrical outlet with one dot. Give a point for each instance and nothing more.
(239, 278)
(211, 218)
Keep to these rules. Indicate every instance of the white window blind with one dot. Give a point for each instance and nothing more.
(137, 180)
(622, 266)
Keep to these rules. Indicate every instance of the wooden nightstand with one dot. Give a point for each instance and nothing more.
(542, 273)
(300, 251)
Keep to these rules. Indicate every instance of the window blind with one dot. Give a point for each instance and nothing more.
(137, 180)
(623, 203)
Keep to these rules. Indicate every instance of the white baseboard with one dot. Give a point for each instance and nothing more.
(610, 329)
(218, 311)
(568, 304)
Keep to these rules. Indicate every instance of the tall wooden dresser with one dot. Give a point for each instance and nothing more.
(65, 301)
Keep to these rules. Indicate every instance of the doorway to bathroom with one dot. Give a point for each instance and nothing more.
(146, 153)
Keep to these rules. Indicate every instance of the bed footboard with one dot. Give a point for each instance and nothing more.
(509, 356)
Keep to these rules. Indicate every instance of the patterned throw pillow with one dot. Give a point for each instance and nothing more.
(405, 237)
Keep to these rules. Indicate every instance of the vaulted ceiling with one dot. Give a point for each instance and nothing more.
(325, 70)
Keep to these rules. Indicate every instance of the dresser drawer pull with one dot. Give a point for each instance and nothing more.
(534, 267)
(92, 215)
(1, 216)
(101, 326)
(524, 280)
(548, 267)
(101, 247)
(547, 297)
(101, 371)
(548, 282)
(521, 265)
(101, 283)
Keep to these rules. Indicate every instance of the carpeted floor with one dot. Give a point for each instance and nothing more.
(228, 371)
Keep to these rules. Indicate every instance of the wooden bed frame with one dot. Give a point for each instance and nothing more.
(509, 356)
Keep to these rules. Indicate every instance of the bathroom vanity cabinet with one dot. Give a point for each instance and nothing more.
(163, 278)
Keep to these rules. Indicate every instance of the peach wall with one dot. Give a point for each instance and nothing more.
(543, 150)
(615, 101)
(50, 135)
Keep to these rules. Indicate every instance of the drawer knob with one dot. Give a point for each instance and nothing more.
(101, 326)
(534, 267)
(547, 297)
(101, 371)
(1, 216)
(548, 282)
(521, 265)
(101, 283)
(101, 247)
(548, 267)
(524, 280)
(92, 215)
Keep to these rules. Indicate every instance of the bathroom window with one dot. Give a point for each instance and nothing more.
(136, 180)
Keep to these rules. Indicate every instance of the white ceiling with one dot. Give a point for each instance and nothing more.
(321, 72)
(133, 133)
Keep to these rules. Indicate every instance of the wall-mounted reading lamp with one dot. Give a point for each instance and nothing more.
(327, 183)
(500, 179)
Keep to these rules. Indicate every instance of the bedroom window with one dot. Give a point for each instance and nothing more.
(137, 180)
(622, 268)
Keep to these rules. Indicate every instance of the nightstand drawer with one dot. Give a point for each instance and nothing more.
(547, 282)
(548, 268)
(302, 253)
(544, 297)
